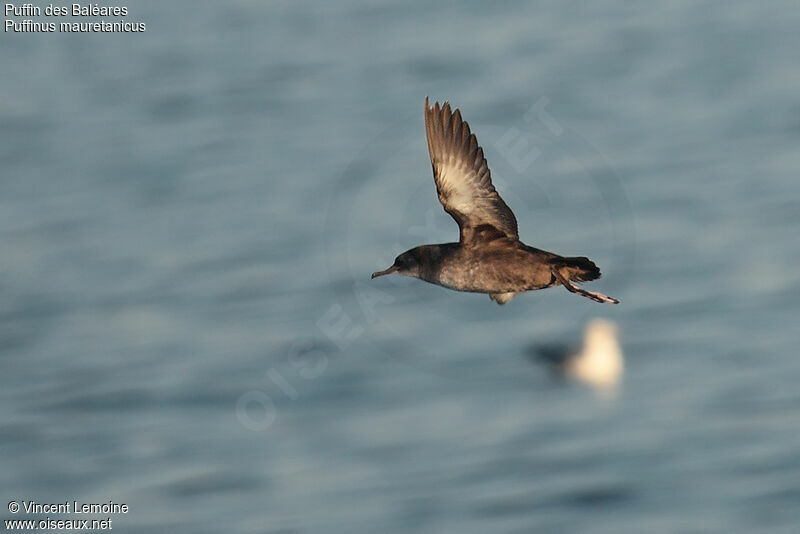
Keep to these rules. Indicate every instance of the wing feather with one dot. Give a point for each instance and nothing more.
(463, 180)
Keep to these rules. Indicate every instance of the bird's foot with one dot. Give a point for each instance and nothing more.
(569, 286)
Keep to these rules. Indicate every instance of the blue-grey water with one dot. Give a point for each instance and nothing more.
(189, 217)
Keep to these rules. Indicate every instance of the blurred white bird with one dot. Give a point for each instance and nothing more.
(599, 363)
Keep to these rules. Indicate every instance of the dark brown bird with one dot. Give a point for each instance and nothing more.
(489, 257)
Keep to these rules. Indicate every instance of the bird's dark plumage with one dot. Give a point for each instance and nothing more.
(463, 180)
(489, 257)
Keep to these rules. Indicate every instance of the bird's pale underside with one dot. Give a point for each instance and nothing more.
(489, 257)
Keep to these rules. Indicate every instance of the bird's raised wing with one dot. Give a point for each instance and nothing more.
(463, 180)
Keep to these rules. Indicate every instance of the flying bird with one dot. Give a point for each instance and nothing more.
(489, 257)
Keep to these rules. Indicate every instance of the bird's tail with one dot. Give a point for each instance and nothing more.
(578, 268)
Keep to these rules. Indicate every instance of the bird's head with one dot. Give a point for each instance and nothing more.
(407, 263)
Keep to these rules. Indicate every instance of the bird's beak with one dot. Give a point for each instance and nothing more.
(390, 270)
